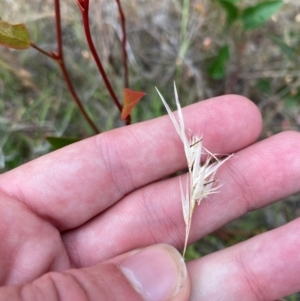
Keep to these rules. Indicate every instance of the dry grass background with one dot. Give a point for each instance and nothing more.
(34, 101)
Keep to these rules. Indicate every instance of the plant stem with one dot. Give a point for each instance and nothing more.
(33, 45)
(187, 233)
(59, 57)
(191, 209)
(124, 42)
(84, 8)
(183, 27)
(58, 29)
(75, 97)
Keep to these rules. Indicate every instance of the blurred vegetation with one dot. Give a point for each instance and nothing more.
(209, 47)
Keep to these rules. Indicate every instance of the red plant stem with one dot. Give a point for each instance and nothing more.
(59, 57)
(75, 97)
(64, 71)
(58, 29)
(84, 8)
(124, 42)
(33, 45)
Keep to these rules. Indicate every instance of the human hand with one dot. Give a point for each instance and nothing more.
(86, 206)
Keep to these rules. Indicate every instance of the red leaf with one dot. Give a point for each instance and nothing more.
(130, 99)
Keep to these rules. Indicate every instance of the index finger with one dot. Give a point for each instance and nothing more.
(72, 185)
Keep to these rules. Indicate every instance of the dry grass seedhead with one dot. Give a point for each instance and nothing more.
(200, 178)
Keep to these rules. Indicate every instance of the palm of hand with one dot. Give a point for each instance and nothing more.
(101, 197)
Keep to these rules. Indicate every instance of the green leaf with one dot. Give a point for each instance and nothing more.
(59, 142)
(264, 85)
(218, 68)
(14, 36)
(257, 15)
(292, 100)
(231, 10)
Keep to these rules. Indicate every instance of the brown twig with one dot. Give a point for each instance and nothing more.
(124, 42)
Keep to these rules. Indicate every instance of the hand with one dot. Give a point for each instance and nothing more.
(70, 220)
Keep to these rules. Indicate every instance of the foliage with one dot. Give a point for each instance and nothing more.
(251, 17)
(255, 16)
(14, 36)
(59, 142)
(130, 99)
(232, 11)
(217, 69)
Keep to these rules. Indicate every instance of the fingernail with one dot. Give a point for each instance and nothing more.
(157, 272)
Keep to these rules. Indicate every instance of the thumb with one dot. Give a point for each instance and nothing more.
(156, 273)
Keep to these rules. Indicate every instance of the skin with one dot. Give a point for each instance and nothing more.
(96, 200)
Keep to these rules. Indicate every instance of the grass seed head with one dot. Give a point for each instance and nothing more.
(200, 178)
